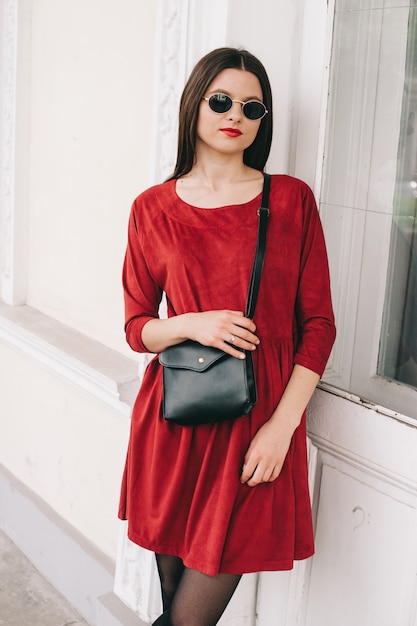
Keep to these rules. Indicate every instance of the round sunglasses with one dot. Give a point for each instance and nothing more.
(221, 103)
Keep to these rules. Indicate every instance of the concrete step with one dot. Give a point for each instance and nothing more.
(26, 598)
(112, 612)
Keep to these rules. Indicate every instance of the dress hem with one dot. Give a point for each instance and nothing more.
(213, 570)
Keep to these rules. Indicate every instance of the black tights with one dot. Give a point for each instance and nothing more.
(189, 597)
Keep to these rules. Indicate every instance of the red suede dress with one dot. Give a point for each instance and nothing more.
(181, 492)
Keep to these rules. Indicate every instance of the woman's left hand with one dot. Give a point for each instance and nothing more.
(267, 451)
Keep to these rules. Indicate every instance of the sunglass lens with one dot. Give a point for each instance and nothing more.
(254, 110)
(220, 103)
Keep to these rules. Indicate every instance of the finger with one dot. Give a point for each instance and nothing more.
(240, 344)
(256, 478)
(242, 321)
(248, 330)
(275, 473)
(270, 475)
(247, 472)
(228, 349)
(263, 476)
(260, 476)
(242, 337)
(244, 344)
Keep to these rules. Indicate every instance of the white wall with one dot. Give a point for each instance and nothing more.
(272, 33)
(87, 88)
(64, 445)
(90, 110)
(291, 39)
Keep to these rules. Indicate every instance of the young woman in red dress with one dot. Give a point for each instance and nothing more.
(215, 501)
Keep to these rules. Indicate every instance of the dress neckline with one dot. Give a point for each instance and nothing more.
(217, 208)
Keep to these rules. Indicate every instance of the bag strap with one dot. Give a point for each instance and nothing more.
(258, 261)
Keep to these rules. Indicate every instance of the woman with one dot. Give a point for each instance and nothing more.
(218, 500)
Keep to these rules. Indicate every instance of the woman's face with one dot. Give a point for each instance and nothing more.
(230, 132)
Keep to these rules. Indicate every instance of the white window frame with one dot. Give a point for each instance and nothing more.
(357, 219)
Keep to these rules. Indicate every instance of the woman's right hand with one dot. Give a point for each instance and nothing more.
(229, 331)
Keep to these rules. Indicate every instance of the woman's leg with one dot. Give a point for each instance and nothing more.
(170, 570)
(200, 600)
(189, 597)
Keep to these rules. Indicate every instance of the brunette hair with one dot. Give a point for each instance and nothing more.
(200, 78)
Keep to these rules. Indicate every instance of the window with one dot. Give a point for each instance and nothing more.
(398, 349)
(368, 201)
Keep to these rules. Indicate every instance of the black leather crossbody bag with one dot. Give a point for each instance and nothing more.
(202, 384)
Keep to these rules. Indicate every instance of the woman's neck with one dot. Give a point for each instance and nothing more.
(212, 185)
(218, 172)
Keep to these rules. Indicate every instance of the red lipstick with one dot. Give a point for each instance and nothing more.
(231, 132)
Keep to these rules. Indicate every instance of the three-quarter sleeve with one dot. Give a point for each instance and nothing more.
(142, 295)
(314, 313)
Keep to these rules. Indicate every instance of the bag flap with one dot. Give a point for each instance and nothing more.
(190, 355)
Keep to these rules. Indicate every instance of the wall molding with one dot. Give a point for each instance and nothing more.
(170, 50)
(77, 359)
(330, 450)
(364, 492)
(185, 31)
(341, 426)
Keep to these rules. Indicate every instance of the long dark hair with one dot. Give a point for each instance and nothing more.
(200, 78)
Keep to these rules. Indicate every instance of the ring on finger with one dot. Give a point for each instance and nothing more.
(232, 339)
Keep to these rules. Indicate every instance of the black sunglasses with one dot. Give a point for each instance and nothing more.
(252, 109)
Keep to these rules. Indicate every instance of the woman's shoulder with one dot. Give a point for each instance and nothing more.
(147, 207)
(292, 197)
(291, 188)
(155, 192)
(290, 182)
(150, 202)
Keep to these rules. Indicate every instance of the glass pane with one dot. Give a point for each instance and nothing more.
(398, 347)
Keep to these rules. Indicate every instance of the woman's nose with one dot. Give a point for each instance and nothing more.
(235, 112)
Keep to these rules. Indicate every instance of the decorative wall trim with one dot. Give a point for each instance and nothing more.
(363, 435)
(364, 490)
(365, 466)
(365, 494)
(104, 373)
(170, 50)
(185, 31)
